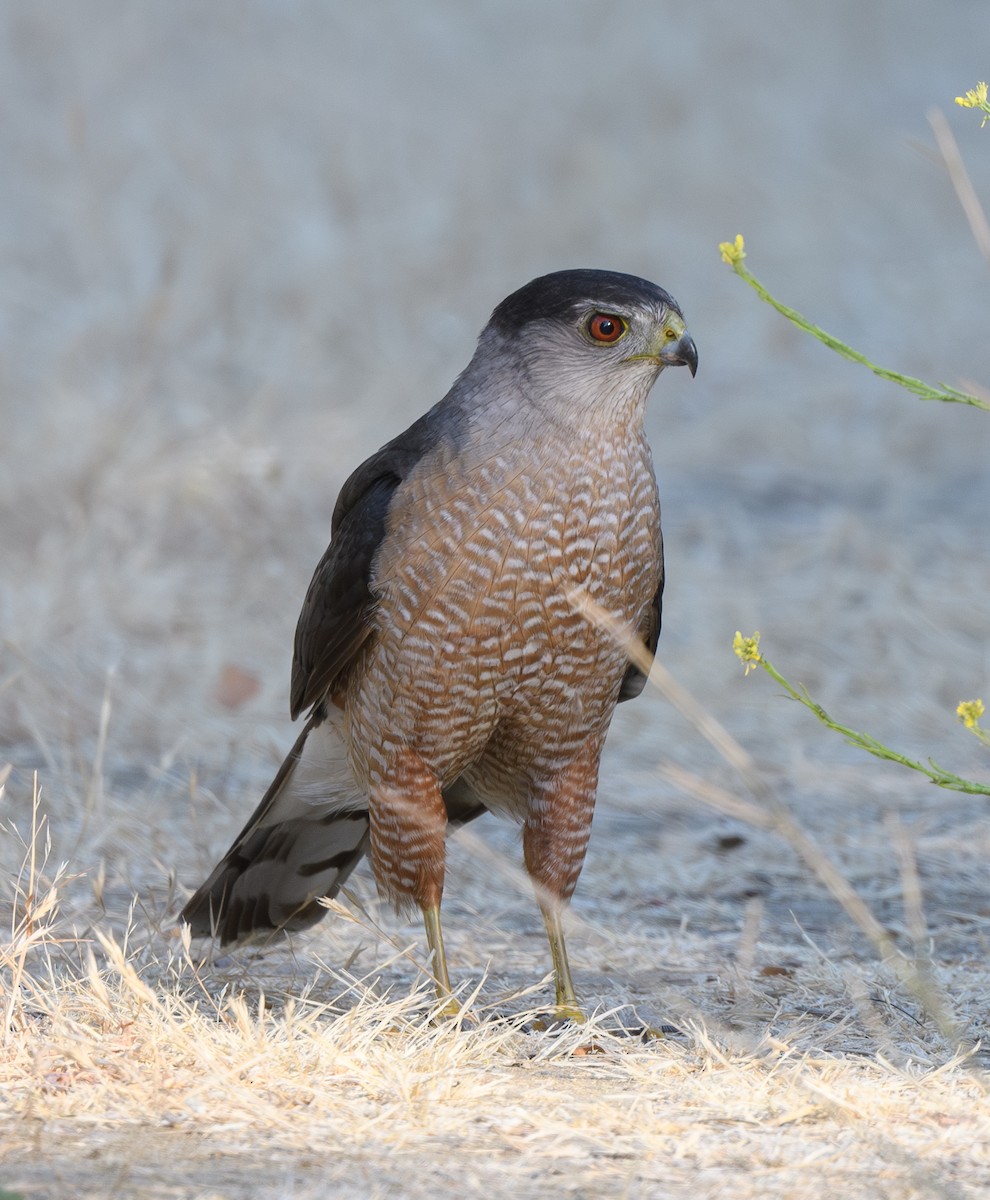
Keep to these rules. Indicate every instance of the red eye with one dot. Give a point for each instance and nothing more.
(606, 327)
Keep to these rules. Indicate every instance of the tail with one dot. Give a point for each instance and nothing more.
(305, 838)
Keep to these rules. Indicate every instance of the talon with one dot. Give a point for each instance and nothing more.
(569, 1012)
(445, 1011)
(561, 1015)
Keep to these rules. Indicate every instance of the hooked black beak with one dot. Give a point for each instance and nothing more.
(682, 353)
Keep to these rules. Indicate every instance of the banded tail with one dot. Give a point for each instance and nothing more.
(304, 839)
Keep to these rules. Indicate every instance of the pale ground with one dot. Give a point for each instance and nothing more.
(242, 245)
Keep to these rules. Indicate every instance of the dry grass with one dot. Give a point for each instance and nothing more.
(147, 1071)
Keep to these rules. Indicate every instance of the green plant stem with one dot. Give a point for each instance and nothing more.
(944, 779)
(917, 386)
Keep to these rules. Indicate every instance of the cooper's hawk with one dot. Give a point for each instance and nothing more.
(444, 663)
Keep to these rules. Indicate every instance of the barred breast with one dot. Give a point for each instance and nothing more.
(481, 663)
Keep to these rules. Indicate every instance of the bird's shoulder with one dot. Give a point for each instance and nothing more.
(335, 620)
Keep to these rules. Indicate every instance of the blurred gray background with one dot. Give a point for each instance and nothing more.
(244, 244)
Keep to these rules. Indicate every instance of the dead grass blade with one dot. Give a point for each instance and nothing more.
(959, 177)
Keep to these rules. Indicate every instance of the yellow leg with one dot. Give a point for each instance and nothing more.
(434, 938)
(567, 1004)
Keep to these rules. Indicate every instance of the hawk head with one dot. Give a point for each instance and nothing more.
(605, 326)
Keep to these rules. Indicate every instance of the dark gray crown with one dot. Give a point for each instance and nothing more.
(561, 294)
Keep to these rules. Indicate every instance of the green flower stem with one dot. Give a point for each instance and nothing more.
(918, 387)
(982, 734)
(864, 741)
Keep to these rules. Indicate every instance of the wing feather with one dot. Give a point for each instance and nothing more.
(634, 680)
(336, 617)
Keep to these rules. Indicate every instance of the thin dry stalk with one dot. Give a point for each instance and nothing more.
(33, 913)
(959, 177)
(94, 787)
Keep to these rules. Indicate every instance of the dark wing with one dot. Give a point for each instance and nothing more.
(634, 680)
(335, 621)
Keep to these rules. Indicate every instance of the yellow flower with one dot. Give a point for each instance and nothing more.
(977, 98)
(747, 650)
(733, 252)
(970, 711)
(974, 99)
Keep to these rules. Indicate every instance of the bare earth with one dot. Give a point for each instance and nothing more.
(244, 244)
